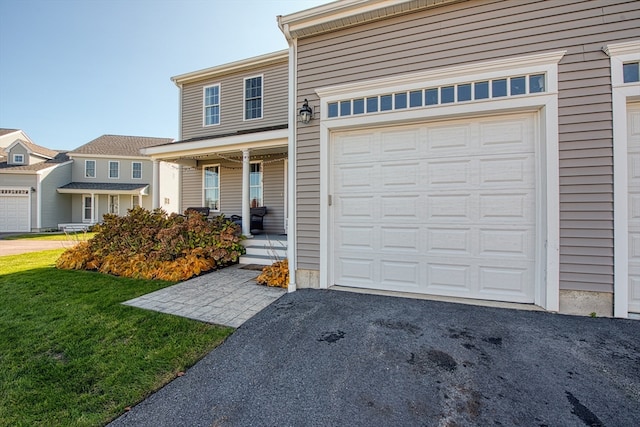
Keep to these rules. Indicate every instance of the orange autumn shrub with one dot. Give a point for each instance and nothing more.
(154, 245)
(276, 274)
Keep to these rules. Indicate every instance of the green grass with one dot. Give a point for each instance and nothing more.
(62, 237)
(72, 355)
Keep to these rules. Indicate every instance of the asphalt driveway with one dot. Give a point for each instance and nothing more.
(330, 358)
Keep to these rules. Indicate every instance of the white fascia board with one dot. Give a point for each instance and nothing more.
(54, 166)
(257, 61)
(140, 192)
(236, 142)
(346, 13)
(107, 157)
(19, 172)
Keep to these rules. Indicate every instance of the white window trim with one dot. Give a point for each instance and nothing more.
(204, 105)
(109, 170)
(95, 171)
(547, 292)
(623, 94)
(15, 159)
(94, 201)
(261, 163)
(244, 98)
(117, 196)
(132, 170)
(219, 185)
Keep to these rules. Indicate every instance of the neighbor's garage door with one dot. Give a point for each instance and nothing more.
(633, 144)
(14, 210)
(445, 208)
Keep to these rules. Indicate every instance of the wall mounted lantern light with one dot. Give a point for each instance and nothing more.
(306, 113)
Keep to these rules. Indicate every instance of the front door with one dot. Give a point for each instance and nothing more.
(87, 208)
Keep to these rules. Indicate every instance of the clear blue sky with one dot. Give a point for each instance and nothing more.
(72, 70)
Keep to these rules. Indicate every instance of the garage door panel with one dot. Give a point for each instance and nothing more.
(400, 239)
(453, 213)
(356, 208)
(450, 139)
(450, 207)
(507, 171)
(450, 173)
(449, 241)
(507, 207)
(400, 144)
(401, 207)
(502, 243)
(354, 148)
(506, 135)
(404, 273)
(356, 177)
(400, 176)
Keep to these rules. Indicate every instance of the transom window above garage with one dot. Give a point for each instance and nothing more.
(440, 95)
(631, 72)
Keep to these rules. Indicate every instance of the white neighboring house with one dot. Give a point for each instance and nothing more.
(109, 175)
(29, 176)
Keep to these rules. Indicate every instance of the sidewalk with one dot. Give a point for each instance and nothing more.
(227, 297)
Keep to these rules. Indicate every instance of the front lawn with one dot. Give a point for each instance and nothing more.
(79, 236)
(71, 354)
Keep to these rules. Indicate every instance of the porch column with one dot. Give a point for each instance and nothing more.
(94, 209)
(246, 203)
(155, 186)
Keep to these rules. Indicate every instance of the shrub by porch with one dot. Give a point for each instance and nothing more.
(154, 245)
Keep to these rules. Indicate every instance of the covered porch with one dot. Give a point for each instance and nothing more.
(231, 175)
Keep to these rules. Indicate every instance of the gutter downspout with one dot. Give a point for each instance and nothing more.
(291, 150)
(180, 209)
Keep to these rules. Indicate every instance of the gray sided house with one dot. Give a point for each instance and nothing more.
(233, 141)
(109, 175)
(477, 149)
(29, 176)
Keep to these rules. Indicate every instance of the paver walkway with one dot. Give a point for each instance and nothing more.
(227, 297)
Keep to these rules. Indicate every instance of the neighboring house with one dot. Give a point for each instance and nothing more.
(109, 175)
(29, 176)
(234, 139)
(467, 149)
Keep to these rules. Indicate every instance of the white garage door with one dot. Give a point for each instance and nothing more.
(633, 144)
(446, 208)
(14, 210)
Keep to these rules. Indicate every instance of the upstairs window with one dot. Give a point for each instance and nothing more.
(18, 158)
(212, 105)
(90, 169)
(114, 170)
(211, 187)
(253, 98)
(136, 170)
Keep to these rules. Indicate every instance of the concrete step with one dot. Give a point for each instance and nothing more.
(260, 250)
(257, 259)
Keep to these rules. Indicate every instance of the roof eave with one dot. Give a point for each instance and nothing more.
(244, 64)
(347, 13)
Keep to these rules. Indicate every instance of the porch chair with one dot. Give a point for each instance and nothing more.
(257, 218)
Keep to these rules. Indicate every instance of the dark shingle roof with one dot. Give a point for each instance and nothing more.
(59, 158)
(4, 131)
(119, 145)
(38, 149)
(102, 186)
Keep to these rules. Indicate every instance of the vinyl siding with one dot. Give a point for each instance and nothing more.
(478, 31)
(231, 190)
(274, 107)
(55, 208)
